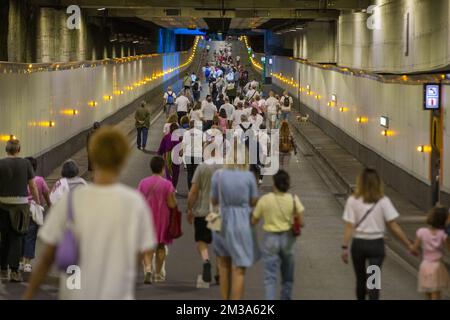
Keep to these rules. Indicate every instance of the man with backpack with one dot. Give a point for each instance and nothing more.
(169, 101)
(286, 103)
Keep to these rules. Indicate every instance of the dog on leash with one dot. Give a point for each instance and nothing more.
(303, 119)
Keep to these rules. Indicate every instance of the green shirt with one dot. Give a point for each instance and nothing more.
(142, 117)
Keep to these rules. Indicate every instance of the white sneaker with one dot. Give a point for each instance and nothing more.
(21, 266)
(27, 268)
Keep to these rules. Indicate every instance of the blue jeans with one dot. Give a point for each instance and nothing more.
(142, 137)
(279, 255)
(285, 115)
(29, 240)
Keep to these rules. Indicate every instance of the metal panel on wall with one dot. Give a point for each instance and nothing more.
(45, 108)
(362, 97)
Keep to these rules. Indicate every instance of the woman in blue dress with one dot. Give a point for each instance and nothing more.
(234, 190)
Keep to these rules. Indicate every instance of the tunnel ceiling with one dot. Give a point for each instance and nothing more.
(211, 14)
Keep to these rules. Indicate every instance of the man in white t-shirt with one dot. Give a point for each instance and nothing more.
(192, 150)
(209, 111)
(237, 114)
(238, 99)
(182, 104)
(252, 93)
(112, 224)
(272, 105)
(229, 109)
(256, 119)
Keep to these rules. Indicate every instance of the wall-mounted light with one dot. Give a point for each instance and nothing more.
(424, 149)
(387, 133)
(107, 97)
(92, 103)
(70, 112)
(118, 92)
(362, 120)
(317, 96)
(343, 109)
(7, 137)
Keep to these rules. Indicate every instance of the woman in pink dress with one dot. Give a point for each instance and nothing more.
(433, 275)
(160, 196)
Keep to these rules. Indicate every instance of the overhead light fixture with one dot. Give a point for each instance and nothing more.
(299, 28)
(101, 9)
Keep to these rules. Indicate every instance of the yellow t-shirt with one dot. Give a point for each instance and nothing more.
(277, 211)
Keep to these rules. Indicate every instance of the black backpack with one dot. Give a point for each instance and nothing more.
(195, 87)
(286, 101)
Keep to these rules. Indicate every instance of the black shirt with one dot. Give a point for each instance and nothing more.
(14, 176)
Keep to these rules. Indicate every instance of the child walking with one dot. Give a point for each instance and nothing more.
(433, 275)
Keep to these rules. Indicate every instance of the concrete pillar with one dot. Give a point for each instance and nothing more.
(79, 45)
(17, 31)
(64, 41)
(4, 25)
(321, 41)
(46, 36)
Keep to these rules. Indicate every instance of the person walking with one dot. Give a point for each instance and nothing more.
(94, 128)
(112, 223)
(287, 145)
(172, 166)
(160, 197)
(172, 118)
(70, 180)
(278, 210)
(169, 98)
(142, 118)
(209, 110)
(182, 103)
(234, 190)
(198, 208)
(433, 275)
(229, 109)
(271, 107)
(16, 178)
(366, 213)
(231, 91)
(29, 240)
(196, 88)
(192, 150)
(286, 103)
(187, 81)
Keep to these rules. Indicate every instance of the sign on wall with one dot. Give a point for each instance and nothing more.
(432, 96)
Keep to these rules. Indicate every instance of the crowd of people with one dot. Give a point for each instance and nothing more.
(116, 228)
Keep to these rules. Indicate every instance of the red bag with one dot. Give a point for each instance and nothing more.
(175, 231)
(296, 227)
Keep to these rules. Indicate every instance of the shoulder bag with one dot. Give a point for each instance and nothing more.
(67, 252)
(214, 219)
(295, 221)
(365, 215)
